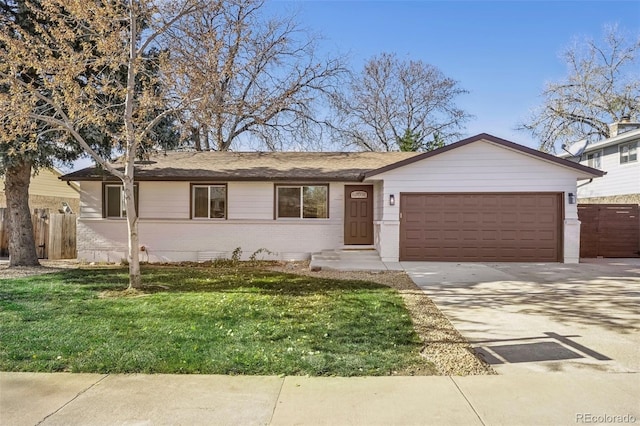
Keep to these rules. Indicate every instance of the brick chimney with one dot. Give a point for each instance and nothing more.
(624, 125)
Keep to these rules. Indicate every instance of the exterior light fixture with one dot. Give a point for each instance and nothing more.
(392, 200)
(572, 198)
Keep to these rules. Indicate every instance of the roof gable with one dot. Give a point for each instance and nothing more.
(496, 141)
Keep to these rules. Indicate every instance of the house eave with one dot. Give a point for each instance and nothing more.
(220, 178)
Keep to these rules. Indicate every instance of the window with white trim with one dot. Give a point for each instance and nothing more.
(302, 201)
(113, 200)
(209, 201)
(594, 159)
(628, 153)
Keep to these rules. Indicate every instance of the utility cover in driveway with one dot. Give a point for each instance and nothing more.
(481, 227)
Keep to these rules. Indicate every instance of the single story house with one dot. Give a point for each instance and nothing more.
(480, 199)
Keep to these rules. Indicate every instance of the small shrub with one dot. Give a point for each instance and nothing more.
(255, 254)
(236, 255)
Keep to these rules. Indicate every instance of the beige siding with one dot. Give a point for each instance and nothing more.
(46, 182)
(46, 191)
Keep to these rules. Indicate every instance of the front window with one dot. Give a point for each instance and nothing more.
(594, 159)
(302, 201)
(629, 153)
(209, 201)
(114, 204)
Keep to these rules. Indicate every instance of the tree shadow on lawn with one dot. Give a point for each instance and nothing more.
(167, 279)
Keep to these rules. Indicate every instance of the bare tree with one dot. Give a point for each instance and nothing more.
(114, 37)
(602, 86)
(253, 77)
(391, 98)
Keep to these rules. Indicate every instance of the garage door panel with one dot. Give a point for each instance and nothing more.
(470, 235)
(414, 235)
(481, 227)
(489, 201)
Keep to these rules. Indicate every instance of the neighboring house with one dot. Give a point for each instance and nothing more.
(618, 157)
(480, 199)
(46, 191)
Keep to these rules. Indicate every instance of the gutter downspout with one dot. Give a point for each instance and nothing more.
(586, 183)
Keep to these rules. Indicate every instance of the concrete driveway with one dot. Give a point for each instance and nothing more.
(524, 317)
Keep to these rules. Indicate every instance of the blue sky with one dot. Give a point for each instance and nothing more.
(501, 51)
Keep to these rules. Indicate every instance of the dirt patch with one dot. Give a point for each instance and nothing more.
(46, 267)
(444, 346)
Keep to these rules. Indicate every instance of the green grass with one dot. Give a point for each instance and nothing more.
(204, 320)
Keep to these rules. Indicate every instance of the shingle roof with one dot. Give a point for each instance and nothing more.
(296, 166)
(253, 166)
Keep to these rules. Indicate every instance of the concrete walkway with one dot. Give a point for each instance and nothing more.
(347, 259)
(533, 399)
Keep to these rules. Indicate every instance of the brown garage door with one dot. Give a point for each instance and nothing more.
(500, 227)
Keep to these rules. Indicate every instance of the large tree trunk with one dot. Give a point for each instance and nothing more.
(22, 246)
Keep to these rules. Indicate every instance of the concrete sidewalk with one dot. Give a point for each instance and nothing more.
(533, 399)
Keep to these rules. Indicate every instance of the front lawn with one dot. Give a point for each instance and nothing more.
(204, 320)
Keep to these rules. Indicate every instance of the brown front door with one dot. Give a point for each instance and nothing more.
(358, 214)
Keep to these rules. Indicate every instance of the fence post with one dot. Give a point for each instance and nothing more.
(40, 220)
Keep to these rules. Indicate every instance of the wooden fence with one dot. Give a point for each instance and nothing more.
(54, 234)
(609, 230)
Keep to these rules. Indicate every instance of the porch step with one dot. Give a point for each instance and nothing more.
(347, 259)
(346, 254)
